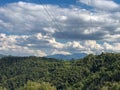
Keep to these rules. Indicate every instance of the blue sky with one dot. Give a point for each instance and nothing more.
(58, 2)
(28, 27)
(49, 1)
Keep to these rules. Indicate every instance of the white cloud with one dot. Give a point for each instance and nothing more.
(93, 45)
(101, 4)
(73, 45)
(60, 52)
(114, 47)
(8, 45)
(44, 45)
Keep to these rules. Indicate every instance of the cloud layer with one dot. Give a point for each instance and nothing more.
(101, 4)
(34, 29)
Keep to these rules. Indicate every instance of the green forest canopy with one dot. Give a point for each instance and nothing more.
(94, 72)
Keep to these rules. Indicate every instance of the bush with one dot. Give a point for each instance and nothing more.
(37, 86)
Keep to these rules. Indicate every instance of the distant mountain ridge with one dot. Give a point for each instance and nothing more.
(68, 57)
(62, 56)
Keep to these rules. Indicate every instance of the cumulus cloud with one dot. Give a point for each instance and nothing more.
(34, 29)
(8, 45)
(114, 47)
(101, 4)
(91, 46)
(67, 23)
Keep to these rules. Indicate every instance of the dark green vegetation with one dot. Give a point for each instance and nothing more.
(94, 72)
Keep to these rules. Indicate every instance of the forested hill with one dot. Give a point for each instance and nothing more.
(94, 72)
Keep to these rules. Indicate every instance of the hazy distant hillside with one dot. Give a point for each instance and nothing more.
(2, 55)
(94, 72)
(68, 57)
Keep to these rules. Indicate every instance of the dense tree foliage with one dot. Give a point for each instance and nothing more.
(94, 72)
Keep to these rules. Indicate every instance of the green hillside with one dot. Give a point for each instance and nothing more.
(94, 72)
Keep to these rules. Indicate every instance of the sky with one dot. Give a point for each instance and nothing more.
(48, 27)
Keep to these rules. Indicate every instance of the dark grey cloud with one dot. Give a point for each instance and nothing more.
(79, 36)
